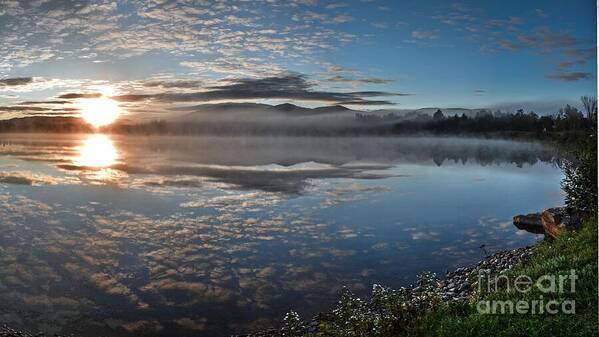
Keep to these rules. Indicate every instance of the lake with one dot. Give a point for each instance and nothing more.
(113, 235)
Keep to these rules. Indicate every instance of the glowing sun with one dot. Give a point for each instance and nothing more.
(99, 111)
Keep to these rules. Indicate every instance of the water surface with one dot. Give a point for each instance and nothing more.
(180, 235)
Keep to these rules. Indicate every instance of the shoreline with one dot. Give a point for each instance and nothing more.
(456, 285)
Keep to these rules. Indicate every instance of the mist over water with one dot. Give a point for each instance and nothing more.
(215, 235)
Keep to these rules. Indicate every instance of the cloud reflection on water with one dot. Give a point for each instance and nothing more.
(191, 232)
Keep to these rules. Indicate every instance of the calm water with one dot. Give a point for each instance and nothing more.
(181, 236)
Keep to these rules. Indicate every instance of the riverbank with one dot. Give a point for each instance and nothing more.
(455, 286)
(450, 305)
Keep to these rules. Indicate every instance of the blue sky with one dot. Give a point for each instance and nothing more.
(156, 55)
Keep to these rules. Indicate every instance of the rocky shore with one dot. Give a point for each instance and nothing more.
(550, 222)
(455, 285)
(462, 282)
(6, 331)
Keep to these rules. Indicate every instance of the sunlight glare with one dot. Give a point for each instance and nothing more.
(96, 151)
(99, 111)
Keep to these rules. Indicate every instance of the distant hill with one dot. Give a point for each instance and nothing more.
(257, 110)
(287, 109)
(245, 118)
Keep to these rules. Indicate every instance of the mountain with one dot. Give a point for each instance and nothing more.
(258, 110)
(333, 109)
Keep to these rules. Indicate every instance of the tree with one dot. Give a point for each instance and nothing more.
(438, 115)
(590, 106)
(580, 177)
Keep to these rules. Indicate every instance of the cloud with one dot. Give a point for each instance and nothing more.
(368, 102)
(289, 86)
(570, 76)
(499, 33)
(339, 78)
(15, 81)
(336, 5)
(508, 45)
(342, 18)
(73, 95)
(96, 32)
(22, 108)
(43, 102)
(541, 13)
(26, 178)
(423, 34)
(479, 92)
(174, 84)
(381, 25)
(323, 18)
(132, 97)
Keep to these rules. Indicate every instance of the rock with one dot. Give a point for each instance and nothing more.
(551, 222)
(530, 223)
(556, 220)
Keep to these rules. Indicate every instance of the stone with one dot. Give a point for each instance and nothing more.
(530, 223)
(556, 220)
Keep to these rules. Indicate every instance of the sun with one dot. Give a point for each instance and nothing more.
(99, 111)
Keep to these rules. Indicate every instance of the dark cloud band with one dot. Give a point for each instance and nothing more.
(15, 81)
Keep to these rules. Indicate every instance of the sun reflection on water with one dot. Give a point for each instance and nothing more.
(96, 151)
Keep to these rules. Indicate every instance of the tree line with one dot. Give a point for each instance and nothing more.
(567, 119)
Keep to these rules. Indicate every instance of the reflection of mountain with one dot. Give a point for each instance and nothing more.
(277, 164)
(287, 151)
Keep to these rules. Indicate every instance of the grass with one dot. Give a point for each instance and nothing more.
(577, 251)
(394, 313)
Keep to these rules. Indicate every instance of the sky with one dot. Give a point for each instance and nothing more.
(153, 57)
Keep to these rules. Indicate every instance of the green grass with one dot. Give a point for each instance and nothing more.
(386, 314)
(577, 251)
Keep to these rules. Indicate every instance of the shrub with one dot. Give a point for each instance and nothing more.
(580, 181)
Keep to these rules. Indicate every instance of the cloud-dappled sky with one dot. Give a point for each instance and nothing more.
(155, 55)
